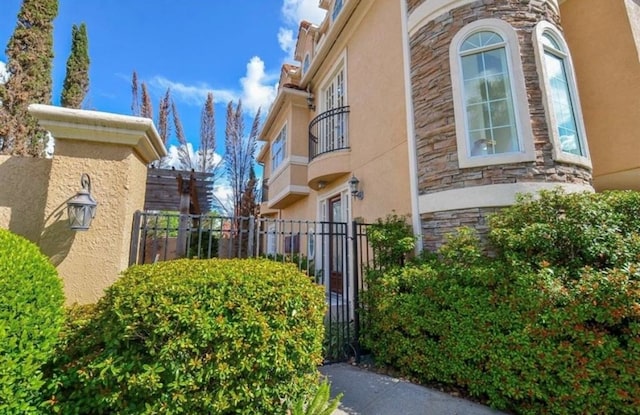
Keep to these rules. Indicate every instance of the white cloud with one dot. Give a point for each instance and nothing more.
(294, 11)
(257, 92)
(258, 89)
(191, 94)
(4, 75)
(286, 41)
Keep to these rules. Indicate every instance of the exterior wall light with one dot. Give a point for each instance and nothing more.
(82, 208)
(310, 101)
(353, 187)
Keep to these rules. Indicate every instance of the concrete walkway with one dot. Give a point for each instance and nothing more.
(368, 393)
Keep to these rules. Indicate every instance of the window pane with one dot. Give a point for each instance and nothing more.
(480, 143)
(501, 113)
(475, 91)
(547, 40)
(497, 87)
(505, 139)
(495, 62)
(478, 116)
(472, 66)
(490, 115)
(481, 39)
(562, 105)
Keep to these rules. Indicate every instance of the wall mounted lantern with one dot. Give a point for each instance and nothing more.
(310, 101)
(353, 187)
(82, 208)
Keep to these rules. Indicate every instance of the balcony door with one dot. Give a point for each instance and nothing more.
(337, 234)
(332, 134)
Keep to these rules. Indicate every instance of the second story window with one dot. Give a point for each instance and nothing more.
(279, 149)
(490, 99)
(337, 7)
(561, 97)
(305, 64)
(329, 131)
(333, 135)
(488, 102)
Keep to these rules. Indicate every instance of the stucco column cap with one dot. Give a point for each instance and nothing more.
(104, 127)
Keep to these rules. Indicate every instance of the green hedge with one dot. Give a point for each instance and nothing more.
(531, 330)
(194, 337)
(31, 314)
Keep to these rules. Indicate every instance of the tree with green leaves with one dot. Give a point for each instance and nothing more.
(29, 62)
(76, 81)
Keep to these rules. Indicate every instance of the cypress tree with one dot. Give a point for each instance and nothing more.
(29, 61)
(76, 81)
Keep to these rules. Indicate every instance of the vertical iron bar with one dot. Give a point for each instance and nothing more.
(135, 235)
(356, 291)
(252, 223)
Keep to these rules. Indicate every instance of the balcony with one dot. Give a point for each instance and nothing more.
(329, 155)
(329, 132)
(287, 185)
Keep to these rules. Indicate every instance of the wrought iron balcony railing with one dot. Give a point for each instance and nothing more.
(329, 132)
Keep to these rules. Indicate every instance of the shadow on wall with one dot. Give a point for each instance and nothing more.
(24, 186)
(56, 238)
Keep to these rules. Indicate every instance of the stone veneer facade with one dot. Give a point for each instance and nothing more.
(434, 121)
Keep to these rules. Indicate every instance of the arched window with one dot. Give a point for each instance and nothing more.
(492, 121)
(560, 94)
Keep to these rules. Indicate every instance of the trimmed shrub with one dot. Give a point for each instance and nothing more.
(392, 241)
(195, 337)
(530, 331)
(31, 315)
(570, 231)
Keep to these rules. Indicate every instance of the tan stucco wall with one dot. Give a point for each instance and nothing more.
(90, 261)
(299, 131)
(377, 121)
(23, 194)
(605, 55)
(114, 150)
(377, 118)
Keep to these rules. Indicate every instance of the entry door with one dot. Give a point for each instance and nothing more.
(336, 245)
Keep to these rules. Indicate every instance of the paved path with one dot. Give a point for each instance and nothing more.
(369, 393)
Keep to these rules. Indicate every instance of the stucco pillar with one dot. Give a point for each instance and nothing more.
(114, 151)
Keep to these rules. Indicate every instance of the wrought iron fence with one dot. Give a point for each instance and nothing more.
(334, 254)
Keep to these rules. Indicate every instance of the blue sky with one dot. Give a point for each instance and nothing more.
(234, 48)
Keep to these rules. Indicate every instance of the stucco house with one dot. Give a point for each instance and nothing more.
(446, 109)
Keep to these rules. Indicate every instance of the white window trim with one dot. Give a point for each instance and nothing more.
(277, 170)
(340, 64)
(518, 88)
(552, 124)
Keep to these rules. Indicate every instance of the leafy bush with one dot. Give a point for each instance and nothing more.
(392, 240)
(570, 231)
(194, 337)
(531, 330)
(31, 315)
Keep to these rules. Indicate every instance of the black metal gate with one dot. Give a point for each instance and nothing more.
(334, 254)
